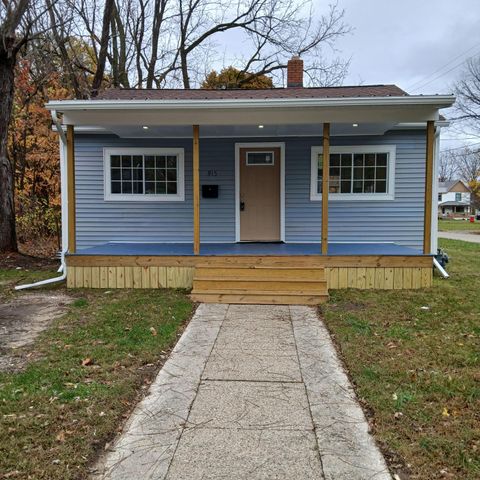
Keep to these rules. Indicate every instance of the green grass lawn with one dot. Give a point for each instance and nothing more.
(88, 371)
(414, 359)
(458, 225)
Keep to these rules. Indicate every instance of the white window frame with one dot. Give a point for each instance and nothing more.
(260, 164)
(389, 195)
(144, 197)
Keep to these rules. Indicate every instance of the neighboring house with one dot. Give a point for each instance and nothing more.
(224, 189)
(453, 199)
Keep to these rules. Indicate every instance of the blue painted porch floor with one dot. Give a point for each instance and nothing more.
(185, 249)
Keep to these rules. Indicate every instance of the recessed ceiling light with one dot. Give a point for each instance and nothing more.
(260, 126)
(354, 124)
(145, 127)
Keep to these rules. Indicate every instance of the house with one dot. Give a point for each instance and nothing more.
(264, 196)
(453, 199)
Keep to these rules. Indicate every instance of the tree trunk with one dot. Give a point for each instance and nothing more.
(8, 237)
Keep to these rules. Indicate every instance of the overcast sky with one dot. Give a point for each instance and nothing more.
(421, 46)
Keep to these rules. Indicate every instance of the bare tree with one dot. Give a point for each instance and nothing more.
(447, 169)
(467, 91)
(159, 43)
(15, 30)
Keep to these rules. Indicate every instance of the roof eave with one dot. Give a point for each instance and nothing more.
(438, 101)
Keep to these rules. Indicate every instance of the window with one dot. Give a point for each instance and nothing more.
(148, 174)
(458, 197)
(439, 197)
(356, 173)
(260, 158)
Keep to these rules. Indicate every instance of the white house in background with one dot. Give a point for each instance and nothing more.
(453, 199)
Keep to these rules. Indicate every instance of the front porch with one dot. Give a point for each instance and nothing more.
(174, 265)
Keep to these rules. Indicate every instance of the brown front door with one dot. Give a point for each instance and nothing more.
(260, 194)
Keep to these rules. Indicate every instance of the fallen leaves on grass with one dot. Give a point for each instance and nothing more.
(86, 362)
(153, 331)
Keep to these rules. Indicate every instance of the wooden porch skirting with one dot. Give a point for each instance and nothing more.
(362, 272)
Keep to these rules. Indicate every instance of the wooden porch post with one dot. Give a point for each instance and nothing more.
(72, 241)
(325, 176)
(427, 222)
(196, 191)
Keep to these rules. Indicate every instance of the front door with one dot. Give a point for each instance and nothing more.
(260, 194)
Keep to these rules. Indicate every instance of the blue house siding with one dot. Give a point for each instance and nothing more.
(400, 220)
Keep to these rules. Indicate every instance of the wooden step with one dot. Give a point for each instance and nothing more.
(219, 285)
(271, 299)
(262, 284)
(260, 273)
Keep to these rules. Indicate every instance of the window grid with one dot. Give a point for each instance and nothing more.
(355, 173)
(144, 174)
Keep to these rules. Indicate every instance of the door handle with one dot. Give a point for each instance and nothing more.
(242, 206)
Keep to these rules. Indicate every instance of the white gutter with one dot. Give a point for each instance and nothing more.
(442, 271)
(63, 193)
(440, 101)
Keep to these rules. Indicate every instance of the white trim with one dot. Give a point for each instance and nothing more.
(390, 195)
(435, 192)
(115, 197)
(281, 146)
(441, 101)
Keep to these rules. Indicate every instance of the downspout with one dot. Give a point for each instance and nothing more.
(64, 210)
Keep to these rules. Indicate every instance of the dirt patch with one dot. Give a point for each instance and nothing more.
(22, 320)
(20, 261)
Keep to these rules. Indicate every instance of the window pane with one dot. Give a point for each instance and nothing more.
(137, 187)
(160, 162)
(160, 175)
(126, 174)
(369, 173)
(116, 187)
(358, 160)
(334, 188)
(381, 173)
(172, 175)
(138, 161)
(171, 162)
(346, 159)
(115, 161)
(149, 161)
(137, 174)
(115, 174)
(346, 173)
(334, 160)
(346, 186)
(161, 188)
(369, 159)
(319, 185)
(259, 158)
(357, 186)
(382, 159)
(334, 172)
(126, 161)
(172, 188)
(149, 188)
(126, 187)
(381, 186)
(150, 174)
(320, 161)
(358, 173)
(368, 186)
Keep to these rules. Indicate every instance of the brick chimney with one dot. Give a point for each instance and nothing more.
(295, 72)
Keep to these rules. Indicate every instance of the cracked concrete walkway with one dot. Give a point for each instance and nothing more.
(249, 392)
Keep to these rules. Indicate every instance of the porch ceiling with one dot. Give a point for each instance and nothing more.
(277, 130)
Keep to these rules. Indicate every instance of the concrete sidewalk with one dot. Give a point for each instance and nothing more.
(249, 392)
(464, 236)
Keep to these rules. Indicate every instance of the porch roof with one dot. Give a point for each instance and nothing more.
(294, 106)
